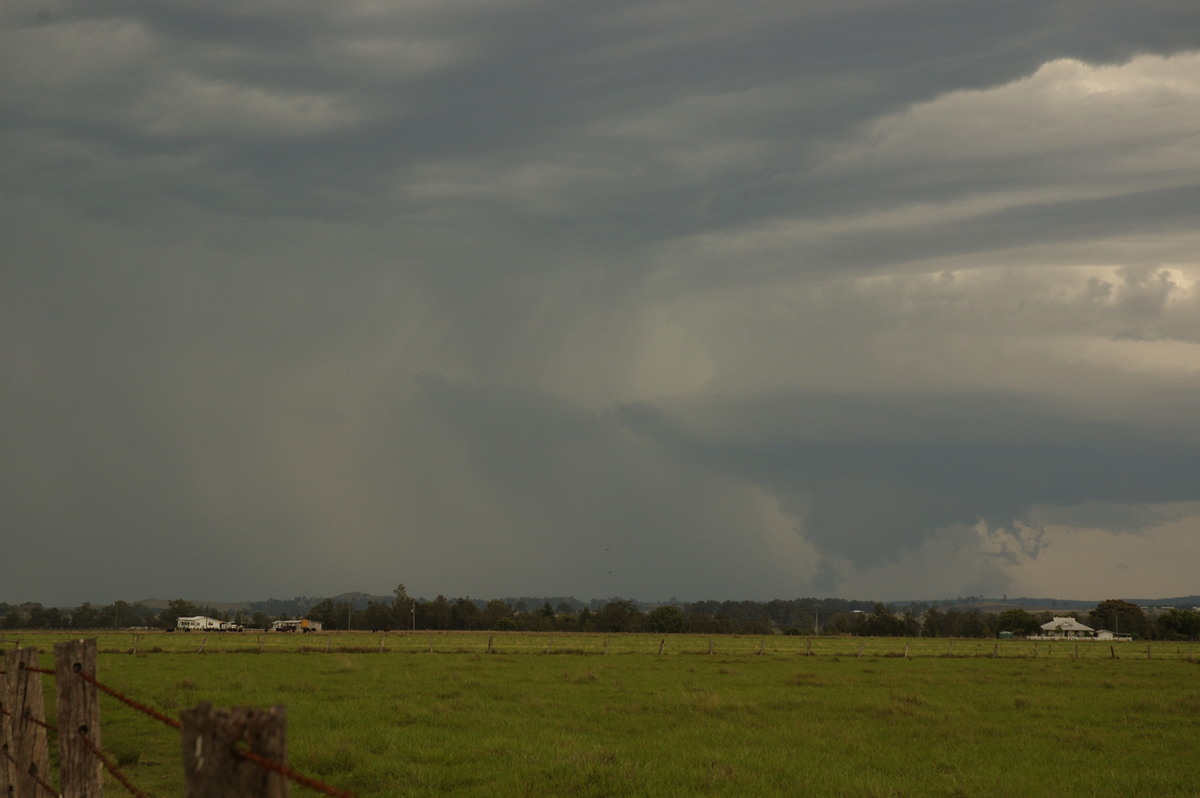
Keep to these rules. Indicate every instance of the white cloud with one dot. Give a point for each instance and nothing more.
(1102, 563)
(1117, 127)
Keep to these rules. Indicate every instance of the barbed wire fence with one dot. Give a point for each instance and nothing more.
(235, 753)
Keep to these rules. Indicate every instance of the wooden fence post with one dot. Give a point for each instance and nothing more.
(79, 770)
(7, 775)
(211, 765)
(26, 703)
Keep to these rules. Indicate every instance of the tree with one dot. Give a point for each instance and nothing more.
(403, 606)
(85, 616)
(376, 617)
(1017, 621)
(498, 615)
(325, 613)
(464, 614)
(1178, 624)
(177, 608)
(666, 619)
(621, 615)
(1116, 615)
(436, 613)
(881, 623)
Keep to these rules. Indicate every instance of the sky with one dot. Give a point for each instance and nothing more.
(874, 299)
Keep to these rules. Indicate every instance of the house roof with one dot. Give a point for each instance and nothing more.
(1066, 625)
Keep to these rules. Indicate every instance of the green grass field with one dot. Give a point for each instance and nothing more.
(546, 716)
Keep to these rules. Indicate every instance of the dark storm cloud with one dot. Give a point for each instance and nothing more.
(769, 298)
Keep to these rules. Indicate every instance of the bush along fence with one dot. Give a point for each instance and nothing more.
(237, 753)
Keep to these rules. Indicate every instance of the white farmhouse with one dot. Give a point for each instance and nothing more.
(1066, 628)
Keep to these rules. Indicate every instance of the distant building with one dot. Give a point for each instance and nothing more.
(198, 623)
(1065, 628)
(298, 625)
(1116, 637)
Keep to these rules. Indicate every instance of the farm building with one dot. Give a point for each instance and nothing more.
(1116, 637)
(1059, 628)
(198, 623)
(298, 625)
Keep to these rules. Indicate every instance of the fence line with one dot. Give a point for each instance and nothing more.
(588, 643)
(237, 753)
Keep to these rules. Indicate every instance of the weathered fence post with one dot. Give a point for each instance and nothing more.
(78, 706)
(7, 775)
(211, 763)
(661, 643)
(31, 756)
(710, 645)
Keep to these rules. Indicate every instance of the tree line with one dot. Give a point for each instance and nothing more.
(804, 616)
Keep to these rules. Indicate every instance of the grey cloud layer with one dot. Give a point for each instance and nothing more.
(646, 298)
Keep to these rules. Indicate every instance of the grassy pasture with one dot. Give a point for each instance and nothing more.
(521, 721)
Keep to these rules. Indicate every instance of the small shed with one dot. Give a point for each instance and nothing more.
(1115, 637)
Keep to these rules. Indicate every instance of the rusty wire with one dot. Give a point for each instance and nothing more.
(110, 767)
(43, 785)
(284, 770)
(250, 756)
(138, 705)
(27, 715)
(35, 669)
